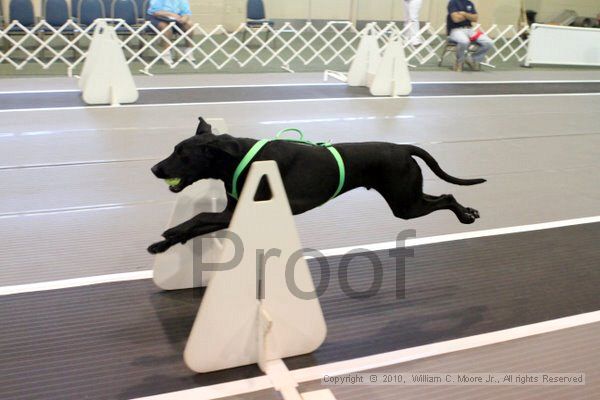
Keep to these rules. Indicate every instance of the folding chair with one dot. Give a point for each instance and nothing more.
(107, 8)
(256, 18)
(90, 10)
(56, 14)
(75, 10)
(125, 10)
(21, 11)
(450, 47)
(142, 7)
(2, 21)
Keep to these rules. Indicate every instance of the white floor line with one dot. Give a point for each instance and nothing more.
(128, 276)
(225, 102)
(75, 282)
(240, 387)
(508, 82)
(463, 235)
(183, 87)
(308, 84)
(244, 86)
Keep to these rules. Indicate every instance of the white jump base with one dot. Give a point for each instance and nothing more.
(563, 45)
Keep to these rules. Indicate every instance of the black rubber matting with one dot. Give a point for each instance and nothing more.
(59, 99)
(125, 340)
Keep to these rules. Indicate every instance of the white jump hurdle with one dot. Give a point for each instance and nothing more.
(105, 77)
(250, 313)
(563, 45)
(384, 76)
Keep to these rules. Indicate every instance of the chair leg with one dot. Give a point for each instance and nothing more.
(42, 53)
(444, 52)
(73, 47)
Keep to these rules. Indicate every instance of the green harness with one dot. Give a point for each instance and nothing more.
(261, 143)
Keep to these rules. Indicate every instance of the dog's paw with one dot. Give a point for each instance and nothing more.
(469, 216)
(473, 212)
(159, 247)
(175, 234)
(467, 219)
(170, 233)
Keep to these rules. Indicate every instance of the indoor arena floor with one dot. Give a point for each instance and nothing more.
(79, 205)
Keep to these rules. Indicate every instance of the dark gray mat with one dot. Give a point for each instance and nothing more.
(125, 340)
(261, 93)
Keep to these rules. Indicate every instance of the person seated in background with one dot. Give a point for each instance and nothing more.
(163, 12)
(461, 15)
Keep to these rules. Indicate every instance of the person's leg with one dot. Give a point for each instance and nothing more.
(167, 35)
(411, 20)
(461, 38)
(189, 50)
(414, 7)
(160, 26)
(406, 6)
(485, 44)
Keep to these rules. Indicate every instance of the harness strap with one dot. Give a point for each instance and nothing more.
(247, 159)
(244, 163)
(340, 162)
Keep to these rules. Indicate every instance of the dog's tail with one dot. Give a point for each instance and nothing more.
(435, 167)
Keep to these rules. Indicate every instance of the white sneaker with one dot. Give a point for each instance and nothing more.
(168, 58)
(189, 54)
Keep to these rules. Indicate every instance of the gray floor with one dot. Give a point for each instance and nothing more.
(125, 340)
(207, 95)
(177, 80)
(78, 182)
(543, 353)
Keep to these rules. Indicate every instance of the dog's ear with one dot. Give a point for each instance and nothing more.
(203, 127)
(225, 145)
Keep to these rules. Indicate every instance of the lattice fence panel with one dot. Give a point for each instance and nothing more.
(265, 46)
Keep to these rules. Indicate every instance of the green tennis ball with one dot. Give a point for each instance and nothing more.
(173, 181)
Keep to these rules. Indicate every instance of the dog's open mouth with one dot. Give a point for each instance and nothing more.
(176, 185)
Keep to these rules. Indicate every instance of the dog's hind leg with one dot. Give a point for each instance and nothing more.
(201, 224)
(408, 201)
(428, 204)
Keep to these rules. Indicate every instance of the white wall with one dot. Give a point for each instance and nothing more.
(492, 11)
(209, 13)
(299, 9)
(287, 9)
(501, 12)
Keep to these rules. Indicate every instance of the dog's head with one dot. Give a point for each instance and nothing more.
(198, 157)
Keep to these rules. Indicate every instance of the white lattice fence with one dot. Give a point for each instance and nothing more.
(508, 43)
(144, 46)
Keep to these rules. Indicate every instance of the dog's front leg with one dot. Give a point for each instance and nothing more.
(201, 224)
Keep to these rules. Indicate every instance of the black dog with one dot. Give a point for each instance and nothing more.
(310, 175)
